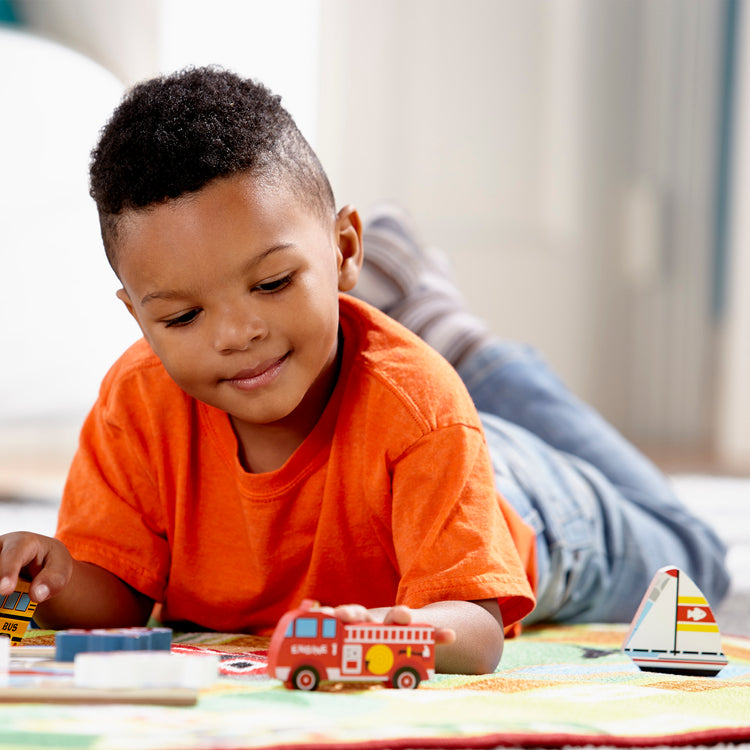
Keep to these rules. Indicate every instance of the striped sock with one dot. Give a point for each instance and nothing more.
(443, 322)
(391, 260)
(413, 285)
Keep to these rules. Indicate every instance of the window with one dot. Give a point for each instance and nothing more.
(11, 600)
(306, 627)
(329, 628)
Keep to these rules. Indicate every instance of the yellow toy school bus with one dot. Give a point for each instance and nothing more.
(16, 611)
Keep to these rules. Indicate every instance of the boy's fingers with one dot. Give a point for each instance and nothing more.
(352, 613)
(444, 636)
(402, 615)
(7, 584)
(40, 591)
(55, 573)
(45, 560)
(398, 615)
(16, 551)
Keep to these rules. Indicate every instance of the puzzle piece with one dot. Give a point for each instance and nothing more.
(127, 670)
(69, 643)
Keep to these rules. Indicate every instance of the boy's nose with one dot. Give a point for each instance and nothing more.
(236, 329)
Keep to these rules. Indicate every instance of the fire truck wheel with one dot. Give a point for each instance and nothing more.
(406, 678)
(305, 678)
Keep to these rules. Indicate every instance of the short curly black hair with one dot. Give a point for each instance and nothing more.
(172, 135)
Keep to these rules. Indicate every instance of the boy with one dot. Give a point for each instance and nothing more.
(271, 439)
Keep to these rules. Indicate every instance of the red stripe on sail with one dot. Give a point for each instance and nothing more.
(695, 613)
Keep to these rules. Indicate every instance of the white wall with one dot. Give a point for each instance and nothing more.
(274, 42)
(472, 115)
(561, 153)
(733, 362)
(558, 150)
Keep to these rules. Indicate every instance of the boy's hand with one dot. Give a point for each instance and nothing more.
(398, 615)
(468, 635)
(71, 593)
(46, 561)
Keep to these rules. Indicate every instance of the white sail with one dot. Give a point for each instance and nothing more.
(653, 624)
(674, 629)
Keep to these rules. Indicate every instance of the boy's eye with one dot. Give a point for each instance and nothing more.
(182, 320)
(275, 285)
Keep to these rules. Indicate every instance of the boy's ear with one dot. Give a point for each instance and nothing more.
(349, 238)
(124, 297)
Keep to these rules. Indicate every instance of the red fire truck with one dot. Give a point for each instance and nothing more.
(309, 645)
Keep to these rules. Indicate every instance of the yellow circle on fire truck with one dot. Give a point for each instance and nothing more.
(379, 659)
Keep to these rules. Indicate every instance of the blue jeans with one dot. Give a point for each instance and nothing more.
(606, 519)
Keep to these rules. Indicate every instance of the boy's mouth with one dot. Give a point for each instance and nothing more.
(257, 376)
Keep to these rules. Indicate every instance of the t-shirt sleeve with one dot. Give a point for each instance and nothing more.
(451, 537)
(109, 513)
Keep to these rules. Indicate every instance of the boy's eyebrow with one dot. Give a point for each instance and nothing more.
(162, 295)
(248, 266)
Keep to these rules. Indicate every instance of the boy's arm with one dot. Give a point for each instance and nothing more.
(469, 637)
(479, 641)
(70, 593)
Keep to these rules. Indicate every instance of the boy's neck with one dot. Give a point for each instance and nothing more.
(267, 447)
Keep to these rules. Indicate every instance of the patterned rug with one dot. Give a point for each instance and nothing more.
(557, 686)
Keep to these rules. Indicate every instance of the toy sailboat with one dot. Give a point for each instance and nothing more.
(674, 629)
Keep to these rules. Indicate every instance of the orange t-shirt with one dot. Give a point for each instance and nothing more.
(390, 499)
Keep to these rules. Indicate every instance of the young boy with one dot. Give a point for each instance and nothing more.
(272, 439)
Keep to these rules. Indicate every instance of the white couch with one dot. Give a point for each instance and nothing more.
(60, 324)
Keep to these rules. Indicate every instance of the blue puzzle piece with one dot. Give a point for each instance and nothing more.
(68, 643)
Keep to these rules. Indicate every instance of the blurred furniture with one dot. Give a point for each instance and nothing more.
(61, 324)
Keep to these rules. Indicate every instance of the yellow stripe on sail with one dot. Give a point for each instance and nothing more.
(700, 600)
(700, 627)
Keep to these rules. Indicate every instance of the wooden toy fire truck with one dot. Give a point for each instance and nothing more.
(309, 645)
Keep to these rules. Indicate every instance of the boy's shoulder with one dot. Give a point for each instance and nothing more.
(384, 341)
(138, 375)
(413, 372)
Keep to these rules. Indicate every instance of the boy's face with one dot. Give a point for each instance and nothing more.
(235, 288)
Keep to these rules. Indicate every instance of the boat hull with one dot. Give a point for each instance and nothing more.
(684, 664)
